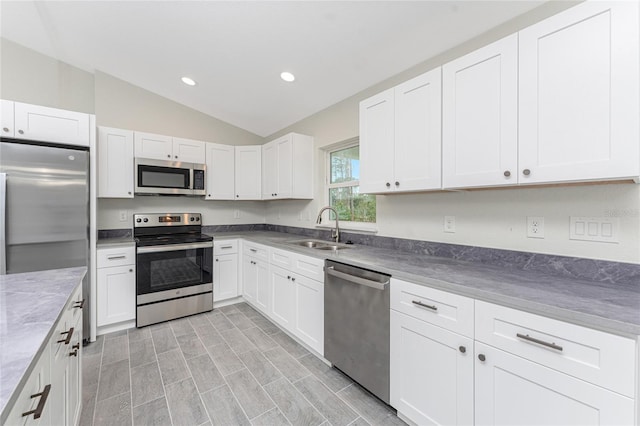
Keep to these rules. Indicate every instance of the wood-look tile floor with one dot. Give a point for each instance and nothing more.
(231, 366)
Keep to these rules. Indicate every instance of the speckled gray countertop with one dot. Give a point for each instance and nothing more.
(30, 305)
(604, 306)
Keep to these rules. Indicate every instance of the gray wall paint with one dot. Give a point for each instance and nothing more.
(30, 77)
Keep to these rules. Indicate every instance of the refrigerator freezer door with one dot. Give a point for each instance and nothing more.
(46, 211)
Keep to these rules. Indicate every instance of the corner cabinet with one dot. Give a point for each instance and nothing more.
(115, 163)
(248, 175)
(480, 117)
(400, 137)
(220, 161)
(287, 168)
(579, 95)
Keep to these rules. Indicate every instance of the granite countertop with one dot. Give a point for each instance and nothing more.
(30, 305)
(605, 306)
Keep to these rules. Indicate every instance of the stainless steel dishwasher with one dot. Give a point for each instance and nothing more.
(356, 325)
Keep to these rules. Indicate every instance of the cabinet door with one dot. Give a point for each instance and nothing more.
(50, 124)
(156, 147)
(116, 294)
(269, 171)
(309, 317)
(431, 372)
(283, 297)
(377, 143)
(418, 136)
(60, 383)
(225, 277)
(249, 279)
(115, 163)
(220, 172)
(248, 172)
(284, 175)
(480, 113)
(74, 383)
(579, 95)
(6, 118)
(189, 151)
(512, 390)
(39, 378)
(263, 290)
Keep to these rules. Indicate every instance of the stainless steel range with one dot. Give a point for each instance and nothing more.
(174, 267)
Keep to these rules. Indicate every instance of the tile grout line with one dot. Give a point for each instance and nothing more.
(130, 385)
(95, 404)
(164, 389)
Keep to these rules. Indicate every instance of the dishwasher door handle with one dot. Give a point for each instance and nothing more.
(356, 280)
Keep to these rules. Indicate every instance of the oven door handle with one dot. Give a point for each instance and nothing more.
(174, 247)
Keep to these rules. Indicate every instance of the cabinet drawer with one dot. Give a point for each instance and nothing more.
(116, 256)
(597, 357)
(76, 305)
(255, 250)
(281, 258)
(446, 310)
(225, 247)
(309, 267)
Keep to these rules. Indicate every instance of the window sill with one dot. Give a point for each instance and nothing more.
(364, 228)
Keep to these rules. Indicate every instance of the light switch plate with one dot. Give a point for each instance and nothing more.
(450, 224)
(122, 214)
(602, 229)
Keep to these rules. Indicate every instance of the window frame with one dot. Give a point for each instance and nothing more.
(370, 227)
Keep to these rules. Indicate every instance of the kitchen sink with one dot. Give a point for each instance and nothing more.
(318, 244)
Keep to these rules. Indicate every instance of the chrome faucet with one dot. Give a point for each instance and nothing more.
(335, 233)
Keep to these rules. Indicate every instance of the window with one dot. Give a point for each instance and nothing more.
(344, 187)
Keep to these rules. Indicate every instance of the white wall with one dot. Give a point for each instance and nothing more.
(487, 218)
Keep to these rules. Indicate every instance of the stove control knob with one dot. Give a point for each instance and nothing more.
(145, 220)
(192, 219)
(138, 220)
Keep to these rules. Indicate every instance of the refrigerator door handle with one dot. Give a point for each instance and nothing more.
(3, 215)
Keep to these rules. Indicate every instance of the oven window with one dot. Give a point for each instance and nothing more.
(173, 269)
(163, 177)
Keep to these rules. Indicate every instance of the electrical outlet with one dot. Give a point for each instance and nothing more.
(450, 224)
(236, 214)
(535, 227)
(122, 214)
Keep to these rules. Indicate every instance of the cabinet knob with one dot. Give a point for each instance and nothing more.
(481, 357)
(130, 270)
(6, 129)
(275, 195)
(526, 172)
(462, 349)
(397, 183)
(293, 278)
(288, 277)
(21, 132)
(237, 196)
(507, 173)
(168, 155)
(217, 260)
(176, 156)
(388, 185)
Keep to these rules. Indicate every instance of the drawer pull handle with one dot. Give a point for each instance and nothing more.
(540, 342)
(69, 335)
(226, 247)
(253, 250)
(116, 257)
(44, 395)
(424, 305)
(79, 304)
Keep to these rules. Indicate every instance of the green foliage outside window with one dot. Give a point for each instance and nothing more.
(344, 191)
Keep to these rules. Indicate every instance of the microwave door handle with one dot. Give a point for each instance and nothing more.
(174, 247)
(3, 218)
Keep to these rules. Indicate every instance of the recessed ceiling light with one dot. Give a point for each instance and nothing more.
(188, 81)
(287, 76)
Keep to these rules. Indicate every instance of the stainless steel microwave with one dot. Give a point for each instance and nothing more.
(169, 177)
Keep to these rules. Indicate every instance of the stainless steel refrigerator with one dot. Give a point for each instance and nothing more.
(44, 209)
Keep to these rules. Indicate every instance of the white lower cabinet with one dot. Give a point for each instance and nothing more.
(263, 289)
(249, 279)
(116, 285)
(283, 297)
(521, 368)
(432, 372)
(225, 270)
(511, 390)
(309, 316)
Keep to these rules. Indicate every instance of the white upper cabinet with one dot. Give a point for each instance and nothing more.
(376, 143)
(41, 123)
(115, 163)
(6, 118)
(160, 147)
(480, 117)
(287, 167)
(400, 137)
(220, 172)
(157, 147)
(248, 174)
(579, 95)
(188, 150)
